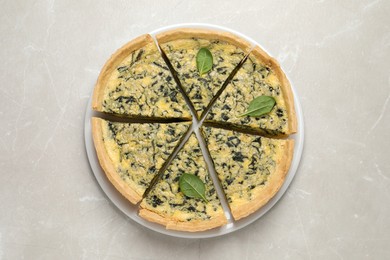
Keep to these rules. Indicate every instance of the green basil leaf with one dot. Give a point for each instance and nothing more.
(260, 106)
(204, 61)
(192, 186)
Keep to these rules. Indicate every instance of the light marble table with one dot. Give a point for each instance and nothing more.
(337, 54)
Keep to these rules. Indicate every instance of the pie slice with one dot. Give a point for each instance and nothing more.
(136, 82)
(250, 168)
(260, 75)
(181, 47)
(131, 154)
(167, 205)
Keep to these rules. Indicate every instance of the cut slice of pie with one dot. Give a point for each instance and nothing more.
(167, 205)
(136, 82)
(250, 168)
(181, 47)
(132, 154)
(260, 75)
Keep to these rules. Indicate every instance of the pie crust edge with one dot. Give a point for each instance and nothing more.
(112, 64)
(190, 226)
(261, 55)
(188, 33)
(272, 185)
(107, 165)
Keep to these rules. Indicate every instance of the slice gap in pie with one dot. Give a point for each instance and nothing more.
(182, 46)
(251, 168)
(136, 83)
(131, 154)
(260, 75)
(167, 205)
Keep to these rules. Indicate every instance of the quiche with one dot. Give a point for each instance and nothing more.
(131, 154)
(260, 75)
(181, 47)
(147, 145)
(167, 205)
(250, 168)
(136, 82)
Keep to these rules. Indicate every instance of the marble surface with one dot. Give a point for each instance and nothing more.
(337, 54)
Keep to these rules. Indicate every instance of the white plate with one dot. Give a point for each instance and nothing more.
(131, 211)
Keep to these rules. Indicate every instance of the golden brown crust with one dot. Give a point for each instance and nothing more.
(106, 163)
(272, 186)
(187, 33)
(285, 86)
(152, 216)
(288, 97)
(112, 64)
(198, 225)
(189, 226)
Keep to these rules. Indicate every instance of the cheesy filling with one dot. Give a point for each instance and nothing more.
(142, 85)
(138, 151)
(243, 162)
(252, 80)
(201, 89)
(166, 199)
